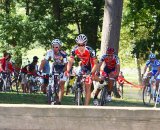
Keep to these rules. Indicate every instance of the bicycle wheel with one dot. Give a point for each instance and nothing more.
(103, 96)
(120, 90)
(15, 84)
(147, 96)
(79, 97)
(49, 95)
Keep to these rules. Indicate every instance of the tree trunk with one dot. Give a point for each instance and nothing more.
(27, 7)
(139, 70)
(57, 14)
(7, 6)
(90, 23)
(111, 25)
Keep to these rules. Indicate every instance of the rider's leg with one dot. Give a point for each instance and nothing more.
(61, 91)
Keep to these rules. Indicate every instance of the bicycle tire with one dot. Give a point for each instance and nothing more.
(79, 100)
(146, 93)
(103, 95)
(49, 95)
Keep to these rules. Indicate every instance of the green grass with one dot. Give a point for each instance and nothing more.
(14, 98)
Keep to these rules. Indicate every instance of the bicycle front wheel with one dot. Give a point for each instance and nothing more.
(79, 97)
(103, 96)
(147, 96)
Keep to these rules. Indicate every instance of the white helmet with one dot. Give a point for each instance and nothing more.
(81, 39)
(152, 56)
(56, 41)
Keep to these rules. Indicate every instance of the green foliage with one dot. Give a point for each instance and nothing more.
(143, 18)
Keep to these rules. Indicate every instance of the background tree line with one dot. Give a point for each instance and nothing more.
(26, 23)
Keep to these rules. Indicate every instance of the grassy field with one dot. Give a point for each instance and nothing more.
(132, 98)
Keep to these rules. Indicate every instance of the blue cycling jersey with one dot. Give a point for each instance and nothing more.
(154, 65)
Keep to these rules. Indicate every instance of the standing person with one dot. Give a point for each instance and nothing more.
(9, 64)
(111, 67)
(3, 60)
(32, 70)
(88, 62)
(59, 58)
(45, 70)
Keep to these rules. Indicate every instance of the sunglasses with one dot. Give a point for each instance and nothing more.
(81, 44)
(56, 47)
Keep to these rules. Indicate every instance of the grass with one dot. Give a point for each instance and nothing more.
(132, 98)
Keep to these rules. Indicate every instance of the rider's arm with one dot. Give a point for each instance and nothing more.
(95, 67)
(117, 67)
(70, 63)
(145, 68)
(158, 72)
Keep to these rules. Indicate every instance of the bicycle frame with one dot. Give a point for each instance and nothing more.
(78, 89)
(104, 92)
(148, 91)
(53, 88)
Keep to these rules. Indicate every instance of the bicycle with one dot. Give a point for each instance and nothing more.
(78, 89)
(6, 81)
(34, 84)
(148, 91)
(120, 89)
(15, 82)
(53, 88)
(104, 92)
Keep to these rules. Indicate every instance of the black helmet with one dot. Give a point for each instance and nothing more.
(35, 58)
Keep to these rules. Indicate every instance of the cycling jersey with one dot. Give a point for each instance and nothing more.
(59, 60)
(87, 58)
(110, 64)
(154, 66)
(3, 64)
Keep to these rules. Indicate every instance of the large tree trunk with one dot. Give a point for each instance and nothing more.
(7, 4)
(90, 23)
(139, 70)
(111, 25)
(57, 15)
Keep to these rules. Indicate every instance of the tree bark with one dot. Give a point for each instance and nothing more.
(57, 14)
(27, 7)
(7, 6)
(111, 25)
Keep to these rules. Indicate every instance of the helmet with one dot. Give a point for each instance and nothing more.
(152, 56)
(110, 50)
(56, 41)
(35, 58)
(81, 39)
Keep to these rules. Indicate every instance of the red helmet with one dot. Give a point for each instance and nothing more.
(110, 50)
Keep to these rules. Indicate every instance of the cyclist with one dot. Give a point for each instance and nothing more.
(153, 64)
(32, 70)
(88, 62)
(45, 69)
(59, 58)
(110, 65)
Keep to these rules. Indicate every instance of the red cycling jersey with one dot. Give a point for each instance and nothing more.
(3, 64)
(110, 63)
(87, 58)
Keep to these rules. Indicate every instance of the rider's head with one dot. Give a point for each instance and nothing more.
(81, 41)
(152, 57)
(35, 59)
(110, 52)
(56, 44)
